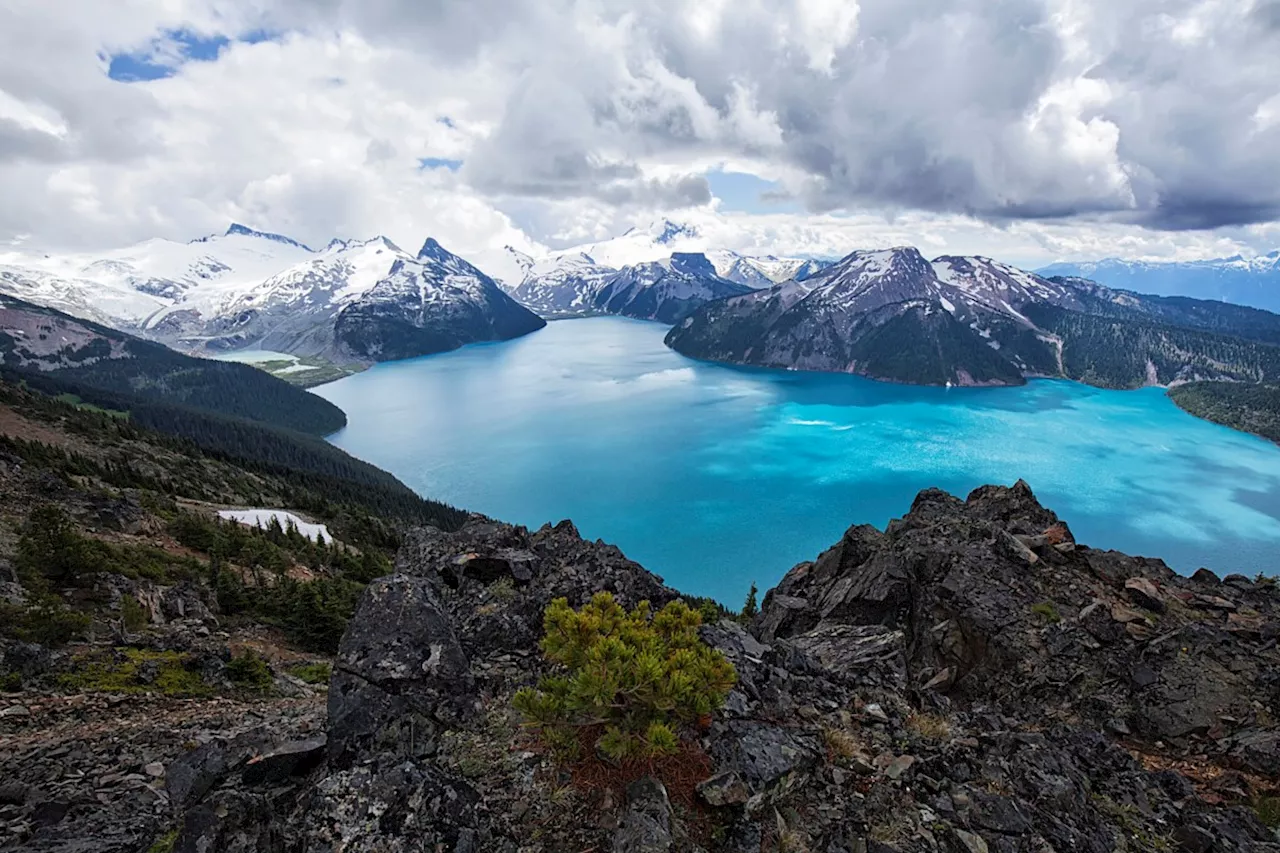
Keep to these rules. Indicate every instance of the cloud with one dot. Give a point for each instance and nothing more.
(1028, 126)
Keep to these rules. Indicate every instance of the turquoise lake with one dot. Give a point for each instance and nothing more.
(715, 476)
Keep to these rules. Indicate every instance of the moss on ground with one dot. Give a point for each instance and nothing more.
(131, 670)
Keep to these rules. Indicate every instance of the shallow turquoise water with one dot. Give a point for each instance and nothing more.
(716, 476)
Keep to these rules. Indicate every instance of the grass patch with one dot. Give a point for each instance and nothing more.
(929, 726)
(165, 843)
(1267, 808)
(1047, 611)
(317, 672)
(73, 400)
(841, 745)
(131, 670)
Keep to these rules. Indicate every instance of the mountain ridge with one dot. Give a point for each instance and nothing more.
(1252, 281)
(880, 314)
(247, 288)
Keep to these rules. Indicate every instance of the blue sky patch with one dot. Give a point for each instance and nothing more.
(171, 50)
(439, 163)
(748, 193)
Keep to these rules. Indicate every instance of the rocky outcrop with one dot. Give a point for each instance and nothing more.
(969, 679)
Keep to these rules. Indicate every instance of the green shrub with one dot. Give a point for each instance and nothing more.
(248, 671)
(134, 615)
(317, 672)
(636, 677)
(44, 619)
(51, 548)
(10, 682)
(1268, 810)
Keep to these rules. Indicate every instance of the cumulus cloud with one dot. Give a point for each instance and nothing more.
(1033, 126)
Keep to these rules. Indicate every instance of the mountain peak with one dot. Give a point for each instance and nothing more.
(337, 243)
(433, 250)
(667, 231)
(237, 229)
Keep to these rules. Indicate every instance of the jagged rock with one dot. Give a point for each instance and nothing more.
(972, 842)
(856, 653)
(425, 752)
(1193, 839)
(724, 789)
(291, 759)
(1258, 752)
(1144, 594)
(228, 822)
(646, 828)
(192, 775)
(414, 805)
(762, 752)
(399, 664)
(186, 600)
(27, 660)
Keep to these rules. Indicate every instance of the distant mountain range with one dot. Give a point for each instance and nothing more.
(351, 302)
(889, 314)
(894, 315)
(1245, 281)
(655, 273)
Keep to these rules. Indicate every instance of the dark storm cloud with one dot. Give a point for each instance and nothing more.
(972, 106)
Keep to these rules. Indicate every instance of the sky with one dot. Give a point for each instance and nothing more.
(1027, 130)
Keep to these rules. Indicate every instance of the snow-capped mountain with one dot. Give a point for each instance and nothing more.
(888, 314)
(891, 314)
(763, 271)
(562, 285)
(655, 242)
(566, 283)
(292, 311)
(248, 288)
(431, 303)
(1245, 281)
(666, 290)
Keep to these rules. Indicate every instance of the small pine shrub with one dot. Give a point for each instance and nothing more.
(133, 614)
(249, 671)
(637, 677)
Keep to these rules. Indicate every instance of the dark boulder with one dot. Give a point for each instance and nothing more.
(400, 672)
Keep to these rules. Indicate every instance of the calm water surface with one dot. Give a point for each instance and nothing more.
(717, 476)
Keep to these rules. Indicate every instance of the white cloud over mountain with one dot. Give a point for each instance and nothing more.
(1026, 129)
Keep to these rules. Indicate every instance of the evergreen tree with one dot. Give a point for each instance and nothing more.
(751, 607)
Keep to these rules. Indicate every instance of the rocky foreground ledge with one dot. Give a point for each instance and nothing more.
(969, 680)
